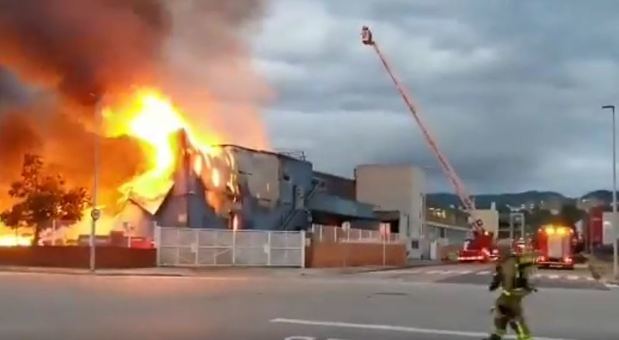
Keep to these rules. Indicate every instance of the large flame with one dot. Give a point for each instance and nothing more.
(151, 118)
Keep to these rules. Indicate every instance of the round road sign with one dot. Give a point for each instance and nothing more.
(95, 214)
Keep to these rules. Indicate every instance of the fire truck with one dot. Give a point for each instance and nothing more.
(554, 247)
(480, 246)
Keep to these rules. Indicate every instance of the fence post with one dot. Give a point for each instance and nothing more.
(196, 238)
(384, 251)
(157, 242)
(303, 248)
(233, 247)
(178, 247)
(269, 245)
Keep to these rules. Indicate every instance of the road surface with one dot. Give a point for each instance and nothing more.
(481, 274)
(289, 306)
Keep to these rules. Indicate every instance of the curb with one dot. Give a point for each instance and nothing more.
(418, 265)
(64, 271)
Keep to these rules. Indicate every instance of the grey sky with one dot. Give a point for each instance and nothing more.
(511, 89)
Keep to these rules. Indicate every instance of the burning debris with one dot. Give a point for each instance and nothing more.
(127, 59)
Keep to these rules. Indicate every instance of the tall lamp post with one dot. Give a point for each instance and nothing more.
(95, 213)
(614, 221)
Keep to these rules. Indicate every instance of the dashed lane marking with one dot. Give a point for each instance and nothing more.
(401, 329)
(483, 272)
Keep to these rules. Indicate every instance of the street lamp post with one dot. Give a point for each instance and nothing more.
(614, 222)
(95, 213)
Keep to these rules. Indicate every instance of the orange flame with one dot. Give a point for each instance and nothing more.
(151, 118)
(15, 241)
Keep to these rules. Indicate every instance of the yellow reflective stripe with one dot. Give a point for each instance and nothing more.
(520, 331)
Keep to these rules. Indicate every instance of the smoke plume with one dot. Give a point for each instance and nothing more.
(82, 47)
(209, 69)
(66, 54)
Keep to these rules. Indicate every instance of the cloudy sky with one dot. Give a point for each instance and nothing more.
(511, 89)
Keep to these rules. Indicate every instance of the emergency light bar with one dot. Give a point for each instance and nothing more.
(551, 230)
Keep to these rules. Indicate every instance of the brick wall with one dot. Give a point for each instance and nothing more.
(77, 257)
(327, 254)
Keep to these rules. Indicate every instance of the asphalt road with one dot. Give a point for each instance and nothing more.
(254, 306)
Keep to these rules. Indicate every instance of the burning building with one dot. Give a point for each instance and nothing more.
(239, 188)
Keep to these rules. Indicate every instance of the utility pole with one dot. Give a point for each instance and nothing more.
(614, 220)
(95, 213)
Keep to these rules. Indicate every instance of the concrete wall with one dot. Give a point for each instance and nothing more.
(396, 187)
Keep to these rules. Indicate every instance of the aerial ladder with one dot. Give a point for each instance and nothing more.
(480, 247)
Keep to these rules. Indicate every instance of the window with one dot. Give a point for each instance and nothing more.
(415, 244)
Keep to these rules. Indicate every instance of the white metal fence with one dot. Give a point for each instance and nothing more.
(336, 234)
(191, 247)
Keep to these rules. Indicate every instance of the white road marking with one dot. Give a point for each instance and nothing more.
(554, 277)
(434, 272)
(401, 329)
(483, 272)
(573, 277)
(590, 278)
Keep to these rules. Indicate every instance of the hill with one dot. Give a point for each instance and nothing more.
(501, 200)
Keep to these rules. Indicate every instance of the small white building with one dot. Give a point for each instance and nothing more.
(607, 227)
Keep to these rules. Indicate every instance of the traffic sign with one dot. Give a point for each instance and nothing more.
(95, 214)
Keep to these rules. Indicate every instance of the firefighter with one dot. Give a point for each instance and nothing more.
(511, 275)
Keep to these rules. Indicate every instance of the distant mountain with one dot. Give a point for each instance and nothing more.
(539, 198)
(602, 195)
(501, 200)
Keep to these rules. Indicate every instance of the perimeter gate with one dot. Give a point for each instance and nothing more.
(192, 247)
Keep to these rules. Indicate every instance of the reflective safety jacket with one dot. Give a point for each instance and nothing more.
(512, 275)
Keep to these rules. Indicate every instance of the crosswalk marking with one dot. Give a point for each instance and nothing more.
(454, 272)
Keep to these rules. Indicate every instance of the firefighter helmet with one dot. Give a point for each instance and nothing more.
(504, 248)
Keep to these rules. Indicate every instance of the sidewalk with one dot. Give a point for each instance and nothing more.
(103, 272)
(227, 271)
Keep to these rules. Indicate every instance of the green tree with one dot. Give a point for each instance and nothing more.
(41, 198)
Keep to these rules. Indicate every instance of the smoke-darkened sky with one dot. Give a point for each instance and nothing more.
(511, 89)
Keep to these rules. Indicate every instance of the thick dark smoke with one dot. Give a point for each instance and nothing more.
(82, 46)
(75, 51)
(62, 54)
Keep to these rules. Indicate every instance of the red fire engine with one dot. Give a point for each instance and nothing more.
(554, 245)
